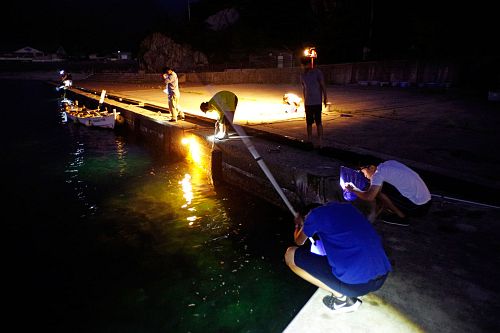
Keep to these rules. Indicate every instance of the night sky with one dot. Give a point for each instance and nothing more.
(428, 28)
(87, 26)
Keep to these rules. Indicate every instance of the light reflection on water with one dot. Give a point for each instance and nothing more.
(204, 251)
(129, 243)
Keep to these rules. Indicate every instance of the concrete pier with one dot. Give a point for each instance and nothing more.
(229, 160)
(446, 264)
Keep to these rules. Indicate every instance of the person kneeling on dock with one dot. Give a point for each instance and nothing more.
(354, 262)
(224, 103)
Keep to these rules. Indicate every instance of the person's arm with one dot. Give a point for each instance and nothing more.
(303, 89)
(299, 236)
(367, 195)
(323, 89)
(170, 78)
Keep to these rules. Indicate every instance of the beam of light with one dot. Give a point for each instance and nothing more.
(259, 110)
(265, 112)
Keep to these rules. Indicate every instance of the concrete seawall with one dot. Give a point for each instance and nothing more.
(444, 263)
(303, 174)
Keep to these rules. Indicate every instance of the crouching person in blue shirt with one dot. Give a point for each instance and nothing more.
(354, 263)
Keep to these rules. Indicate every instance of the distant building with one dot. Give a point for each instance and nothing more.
(119, 55)
(61, 52)
(28, 52)
(31, 54)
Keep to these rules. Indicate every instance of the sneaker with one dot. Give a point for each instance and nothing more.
(394, 219)
(343, 304)
(172, 120)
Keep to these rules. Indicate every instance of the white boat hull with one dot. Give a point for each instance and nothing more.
(92, 118)
(107, 121)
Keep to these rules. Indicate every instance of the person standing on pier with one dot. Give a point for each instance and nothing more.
(224, 103)
(66, 82)
(353, 263)
(173, 93)
(314, 91)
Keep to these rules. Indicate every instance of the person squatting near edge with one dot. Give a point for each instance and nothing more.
(355, 263)
(66, 80)
(314, 91)
(224, 103)
(398, 191)
(173, 93)
(292, 102)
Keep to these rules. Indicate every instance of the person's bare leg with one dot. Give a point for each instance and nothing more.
(372, 212)
(224, 130)
(309, 133)
(289, 259)
(172, 107)
(319, 129)
(387, 203)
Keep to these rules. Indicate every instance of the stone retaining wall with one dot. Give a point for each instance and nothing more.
(402, 73)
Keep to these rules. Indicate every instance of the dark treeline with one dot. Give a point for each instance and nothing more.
(342, 30)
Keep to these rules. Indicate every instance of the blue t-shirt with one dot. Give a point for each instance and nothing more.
(353, 248)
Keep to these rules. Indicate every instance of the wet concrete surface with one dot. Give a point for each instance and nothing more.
(446, 264)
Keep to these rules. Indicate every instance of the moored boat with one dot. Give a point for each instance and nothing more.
(91, 118)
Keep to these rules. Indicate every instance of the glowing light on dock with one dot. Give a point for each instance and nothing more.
(262, 112)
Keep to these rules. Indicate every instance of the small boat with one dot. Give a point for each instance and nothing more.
(91, 118)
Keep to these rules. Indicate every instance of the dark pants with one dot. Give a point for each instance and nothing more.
(319, 267)
(313, 114)
(403, 203)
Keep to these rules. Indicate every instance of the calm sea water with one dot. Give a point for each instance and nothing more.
(104, 235)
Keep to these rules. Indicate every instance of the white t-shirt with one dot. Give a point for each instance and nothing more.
(407, 181)
(172, 84)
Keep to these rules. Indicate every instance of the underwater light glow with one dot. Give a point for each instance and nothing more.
(194, 149)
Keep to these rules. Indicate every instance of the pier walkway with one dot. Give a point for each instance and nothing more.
(446, 266)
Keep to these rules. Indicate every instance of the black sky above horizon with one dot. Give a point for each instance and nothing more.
(111, 25)
(89, 26)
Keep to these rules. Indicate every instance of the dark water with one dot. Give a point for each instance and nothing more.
(103, 235)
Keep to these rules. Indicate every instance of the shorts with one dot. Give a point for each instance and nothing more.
(403, 203)
(319, 267)
(313, 114)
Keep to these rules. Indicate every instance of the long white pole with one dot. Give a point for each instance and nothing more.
(248, 143)
(246, 140)
(464, 201)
